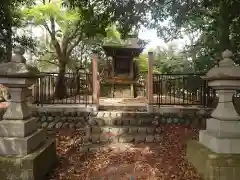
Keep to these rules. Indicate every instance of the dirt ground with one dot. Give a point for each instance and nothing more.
(157, 161)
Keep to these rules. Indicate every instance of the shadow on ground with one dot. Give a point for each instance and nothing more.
(125, 161)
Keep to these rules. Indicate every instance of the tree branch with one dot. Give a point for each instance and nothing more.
(68, 36)
(78, 40)
(52, 33)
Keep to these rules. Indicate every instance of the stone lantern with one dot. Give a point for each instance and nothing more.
(217, 154)
(25, 154)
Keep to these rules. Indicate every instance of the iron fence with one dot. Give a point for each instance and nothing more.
(78, 88)
(181, 89)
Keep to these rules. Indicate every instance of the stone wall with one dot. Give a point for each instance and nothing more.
(73, 118)
(58, 118)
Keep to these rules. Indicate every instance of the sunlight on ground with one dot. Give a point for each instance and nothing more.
(146, 161)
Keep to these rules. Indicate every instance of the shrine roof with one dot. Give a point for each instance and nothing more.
(113, 50)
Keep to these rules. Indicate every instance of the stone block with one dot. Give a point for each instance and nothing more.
(113, 139)
(142, 130)
(132, 121)
(17, 128)
(123, 130)
(125, 139)
(33, 166)
(83, 149)
(140, 138)
(211, 165)
(150, 130)
(125, 121)
(222, 127)
(94, 149)
(96, 129)
(44, 125)
(21, 146)
(59, 125)
(95, 138)
(17, 111)
(51, 125)
(133, 130)
(103, 138)
(149, 138)
(229, 144)
(86, 139)
(105, 129)
(114, 130)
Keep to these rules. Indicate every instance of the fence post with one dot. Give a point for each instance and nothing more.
(150, 83)
(205, 93)
(95, 82)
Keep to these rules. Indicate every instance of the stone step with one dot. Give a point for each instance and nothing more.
(123, 138)
(122, 108)
(104, 147)
(119, 130)
(142, 118)
(120, 113)
(120, 121)
(121, 118)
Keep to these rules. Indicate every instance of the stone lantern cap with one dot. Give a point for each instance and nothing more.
(18, 68)
(226, 70)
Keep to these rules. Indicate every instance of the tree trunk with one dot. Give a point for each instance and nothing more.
(224, 27)
(8, 38)
(61, 89)
(9, 44)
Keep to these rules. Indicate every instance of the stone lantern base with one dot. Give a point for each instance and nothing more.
(211, 165)
(33, 166)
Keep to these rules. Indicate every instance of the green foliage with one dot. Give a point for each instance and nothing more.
(76, 31)
(127, 15)
(65, 20)
(170, 60)
(216, 20)
(143, 63)
(10, 20)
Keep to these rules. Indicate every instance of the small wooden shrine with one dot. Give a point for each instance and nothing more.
(122, 78)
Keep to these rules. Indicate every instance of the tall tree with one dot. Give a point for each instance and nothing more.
(216, 19)
(68, 27)
(10, 19)
(170, 60)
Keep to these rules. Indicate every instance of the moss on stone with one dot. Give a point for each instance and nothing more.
(31, 167)
(211, 165)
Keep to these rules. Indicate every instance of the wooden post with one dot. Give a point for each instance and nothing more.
(150, 82)
(95, 81)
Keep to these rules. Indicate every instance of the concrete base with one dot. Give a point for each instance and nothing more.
(17, 128)
(33, 166)
(21, 146)
(211, 165)
(226, 143)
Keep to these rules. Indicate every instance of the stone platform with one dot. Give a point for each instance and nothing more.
(33, 166)
(211, 165)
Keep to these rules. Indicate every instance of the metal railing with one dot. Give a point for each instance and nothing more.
(181, 89)
(78, 89)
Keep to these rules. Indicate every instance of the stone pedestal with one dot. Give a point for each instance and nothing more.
(25, 154)
(212, 165)
(217, 154)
